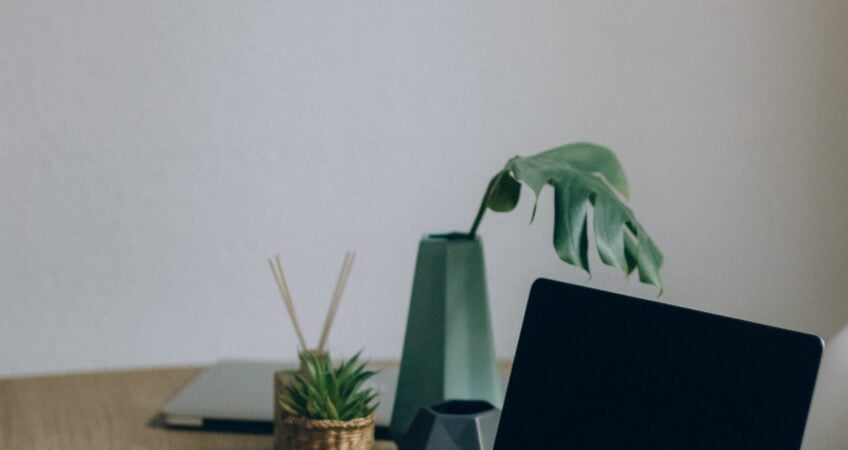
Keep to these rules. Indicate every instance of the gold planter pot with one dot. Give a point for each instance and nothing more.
(307, 434)
(296, 433)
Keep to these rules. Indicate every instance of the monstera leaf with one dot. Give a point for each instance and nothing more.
(585, 177)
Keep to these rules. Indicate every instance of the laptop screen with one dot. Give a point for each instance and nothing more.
(597, 370)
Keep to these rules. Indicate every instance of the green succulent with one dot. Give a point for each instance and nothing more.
(325, 393)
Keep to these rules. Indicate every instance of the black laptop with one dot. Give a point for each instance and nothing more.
(597, 370)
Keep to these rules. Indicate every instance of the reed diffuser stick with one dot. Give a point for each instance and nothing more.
(284, 292)
(337, 297)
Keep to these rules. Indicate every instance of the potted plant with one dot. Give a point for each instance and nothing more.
(448, 348)
(325, 407)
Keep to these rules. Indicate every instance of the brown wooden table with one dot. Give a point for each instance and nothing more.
(106, 410)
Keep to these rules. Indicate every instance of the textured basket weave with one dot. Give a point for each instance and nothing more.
(309, 434)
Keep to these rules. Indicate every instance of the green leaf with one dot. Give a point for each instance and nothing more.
(332, 387)
(347, 367)
(503, 192)
(327, 393)
(587, 177)
(609, 233)
(571, 206)
(538, 170)
(357, 380)
(331, 409)
(297, 397)
(291, 407)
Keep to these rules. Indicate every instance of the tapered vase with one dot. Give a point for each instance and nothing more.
(448, 351)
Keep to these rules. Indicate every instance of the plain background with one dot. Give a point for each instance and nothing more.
(154, 154)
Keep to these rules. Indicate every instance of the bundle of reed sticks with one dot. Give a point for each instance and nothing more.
(279, 276)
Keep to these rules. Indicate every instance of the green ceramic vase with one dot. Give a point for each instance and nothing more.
(448, 351)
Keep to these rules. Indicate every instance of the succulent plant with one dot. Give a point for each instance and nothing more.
(324, 393)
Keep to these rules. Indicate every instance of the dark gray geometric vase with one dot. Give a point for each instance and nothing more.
(453, 425)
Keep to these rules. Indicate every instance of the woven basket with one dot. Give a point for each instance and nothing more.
(309, 434)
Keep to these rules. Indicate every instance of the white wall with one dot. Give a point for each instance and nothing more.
(154, 154)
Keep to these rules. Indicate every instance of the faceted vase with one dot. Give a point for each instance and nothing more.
(453, 425)
(448, 352)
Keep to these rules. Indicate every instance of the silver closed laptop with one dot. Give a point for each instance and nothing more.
(239, 395)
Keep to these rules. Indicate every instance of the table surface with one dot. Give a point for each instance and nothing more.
(106, 410)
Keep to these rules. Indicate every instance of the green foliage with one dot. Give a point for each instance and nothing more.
(582, 175)
(325, 393)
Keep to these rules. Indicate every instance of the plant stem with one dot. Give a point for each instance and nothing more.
(473, 233)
